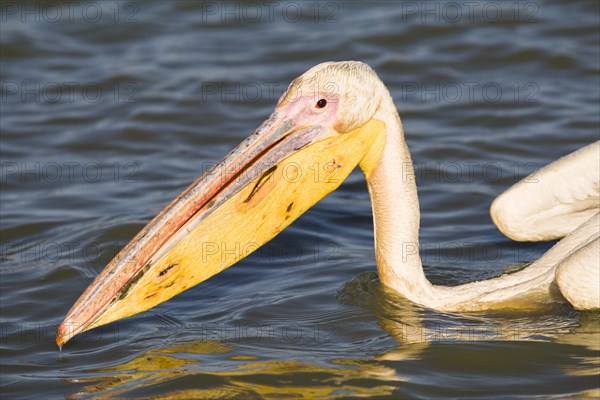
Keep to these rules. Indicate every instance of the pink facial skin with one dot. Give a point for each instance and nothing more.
(306, 110)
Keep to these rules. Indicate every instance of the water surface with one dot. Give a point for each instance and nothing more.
(109, 110)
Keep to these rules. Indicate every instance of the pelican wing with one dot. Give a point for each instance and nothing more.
(553, 201)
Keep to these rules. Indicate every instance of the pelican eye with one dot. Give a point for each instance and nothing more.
(321, 103)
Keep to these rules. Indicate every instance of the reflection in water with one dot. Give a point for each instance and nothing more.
(164, 376)
(178, 371)
(145, 370)
(409, 323)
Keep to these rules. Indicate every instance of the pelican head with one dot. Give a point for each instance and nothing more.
(323, 126)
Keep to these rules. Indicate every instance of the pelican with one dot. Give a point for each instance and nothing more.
(334, 117)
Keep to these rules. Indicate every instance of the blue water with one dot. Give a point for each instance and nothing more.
(109, 110)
